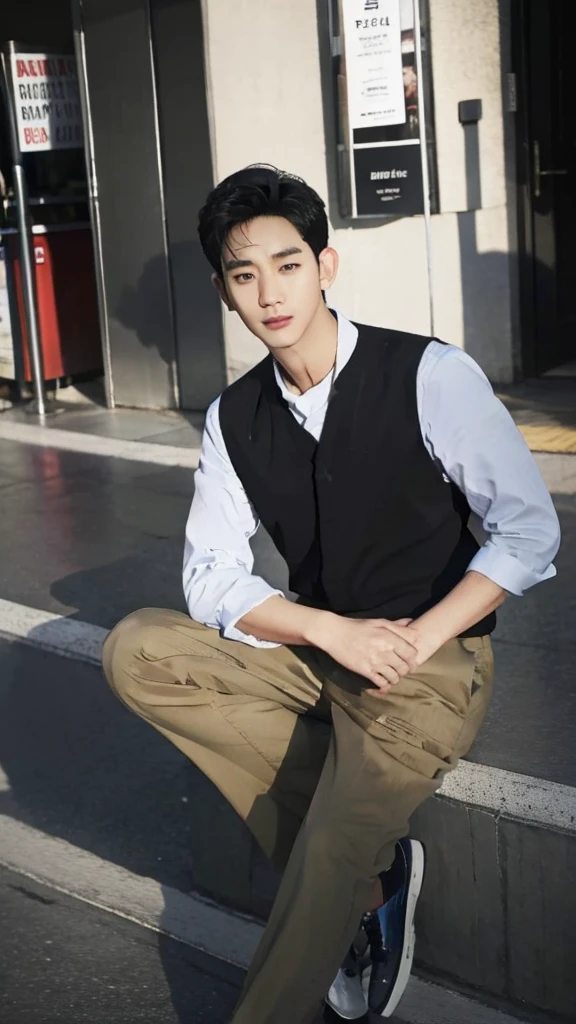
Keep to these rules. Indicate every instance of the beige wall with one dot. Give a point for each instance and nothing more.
(472, 271)
(265, 98)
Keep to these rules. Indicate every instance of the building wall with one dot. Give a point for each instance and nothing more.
(270, 101)
(473, 272)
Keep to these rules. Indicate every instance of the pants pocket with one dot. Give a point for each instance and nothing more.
(420, 721)
(192, 648)
(416, 749)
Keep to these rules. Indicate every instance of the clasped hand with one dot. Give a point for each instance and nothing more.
(379, 649)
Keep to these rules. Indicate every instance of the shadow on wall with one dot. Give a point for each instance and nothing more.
(489, 283)
(141, 308)
(485, 278)
(196, 320)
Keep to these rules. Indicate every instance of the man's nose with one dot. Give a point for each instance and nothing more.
(270, 290)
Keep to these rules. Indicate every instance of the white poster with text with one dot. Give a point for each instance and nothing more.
(373, 51)
(47, 101)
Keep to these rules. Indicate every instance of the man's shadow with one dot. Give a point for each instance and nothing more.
(175, 289)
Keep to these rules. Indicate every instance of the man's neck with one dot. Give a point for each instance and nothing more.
(311, 360)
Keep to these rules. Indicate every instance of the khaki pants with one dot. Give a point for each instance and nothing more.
(325, 775)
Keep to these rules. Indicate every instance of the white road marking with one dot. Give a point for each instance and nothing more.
(190, 919)
(51, 632)
(79, 873)
(92, 444)
(524, 797)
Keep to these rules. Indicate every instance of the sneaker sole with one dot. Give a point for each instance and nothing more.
(414, 890)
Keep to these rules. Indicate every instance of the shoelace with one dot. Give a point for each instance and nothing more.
(350, 965)
(371, 925)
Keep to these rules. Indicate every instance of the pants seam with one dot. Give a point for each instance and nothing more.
(246, 738)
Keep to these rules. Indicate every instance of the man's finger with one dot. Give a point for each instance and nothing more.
(382, 687)
(408, 632)
(404, 649)
(401, 666)
(379, 680)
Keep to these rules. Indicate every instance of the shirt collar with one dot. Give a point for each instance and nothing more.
(347, 338)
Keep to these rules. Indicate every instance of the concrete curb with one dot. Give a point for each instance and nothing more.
(189, 919)
(81, 874)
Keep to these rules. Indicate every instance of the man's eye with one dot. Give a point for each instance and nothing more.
(289, 266)
(244, 277)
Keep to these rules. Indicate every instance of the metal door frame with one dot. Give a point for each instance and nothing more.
(532, 291)
(93, 201)
(526, 252)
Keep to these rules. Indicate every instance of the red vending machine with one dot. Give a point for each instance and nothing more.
(41, 100)
(66, 300)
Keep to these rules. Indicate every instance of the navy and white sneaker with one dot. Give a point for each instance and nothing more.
(390, 929)
(346, 996)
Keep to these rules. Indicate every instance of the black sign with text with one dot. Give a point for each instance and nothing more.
(389, 181)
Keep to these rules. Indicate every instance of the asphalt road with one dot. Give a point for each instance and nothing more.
(63, 961)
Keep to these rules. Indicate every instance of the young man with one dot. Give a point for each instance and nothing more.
(326, 722)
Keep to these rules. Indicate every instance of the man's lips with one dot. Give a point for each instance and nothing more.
(276, 322)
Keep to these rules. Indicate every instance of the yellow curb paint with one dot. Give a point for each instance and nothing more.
(546, 438)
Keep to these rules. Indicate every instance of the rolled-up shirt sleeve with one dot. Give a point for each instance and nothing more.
(475, 441)
(219, 585)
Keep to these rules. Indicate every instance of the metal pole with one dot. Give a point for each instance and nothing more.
(29, 288)
(424, 158)
(26, 244)
(94, 202)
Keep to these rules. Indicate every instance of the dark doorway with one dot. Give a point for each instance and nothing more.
(546, 64)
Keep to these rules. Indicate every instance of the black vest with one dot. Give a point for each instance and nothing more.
(364, 518)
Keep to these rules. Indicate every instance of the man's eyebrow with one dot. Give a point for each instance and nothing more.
(292, 251)
(235, 264)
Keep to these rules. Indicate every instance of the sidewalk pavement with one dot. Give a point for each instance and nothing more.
(544, 410)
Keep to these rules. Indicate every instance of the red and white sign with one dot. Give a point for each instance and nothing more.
(47, 101)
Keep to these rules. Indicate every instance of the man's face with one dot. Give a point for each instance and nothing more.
(273, 280)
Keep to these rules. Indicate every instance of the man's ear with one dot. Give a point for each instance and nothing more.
(220, 287)
(328, 266)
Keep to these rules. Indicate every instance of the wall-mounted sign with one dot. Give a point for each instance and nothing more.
(388, 180)
(46, 101)
(374, 63)
(380, 70)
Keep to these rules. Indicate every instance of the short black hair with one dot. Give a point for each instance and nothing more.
(261, 191)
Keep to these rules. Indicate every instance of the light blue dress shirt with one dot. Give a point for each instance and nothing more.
(465, 429)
